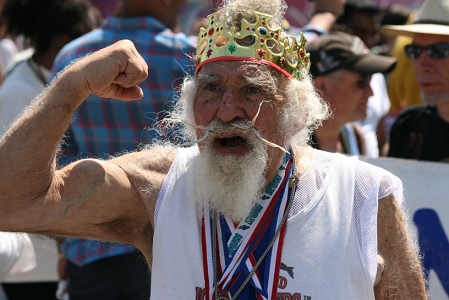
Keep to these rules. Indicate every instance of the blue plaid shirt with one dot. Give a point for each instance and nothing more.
(104, 127)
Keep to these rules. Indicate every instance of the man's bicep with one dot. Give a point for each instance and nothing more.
(402, 277)
(90, 199)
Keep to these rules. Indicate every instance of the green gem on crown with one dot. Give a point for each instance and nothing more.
(272, 46)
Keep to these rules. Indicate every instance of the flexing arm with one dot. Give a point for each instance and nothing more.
(402, 276)
(34, 196)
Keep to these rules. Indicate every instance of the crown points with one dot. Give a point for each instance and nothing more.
(254, 40)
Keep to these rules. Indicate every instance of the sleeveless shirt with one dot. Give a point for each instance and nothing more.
(330, 246)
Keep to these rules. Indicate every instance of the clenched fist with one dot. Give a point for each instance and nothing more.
(112, 72)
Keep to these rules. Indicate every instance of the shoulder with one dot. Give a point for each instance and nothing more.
(146, 171)
(370, 170)
(416, 111)
(368, 178)
(374, 179)
(155, 160)
(413, 118)
(370, 181)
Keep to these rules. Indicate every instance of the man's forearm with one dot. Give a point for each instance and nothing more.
(27, 150)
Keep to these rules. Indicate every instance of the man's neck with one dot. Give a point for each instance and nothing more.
(328, 137)
(274, 162)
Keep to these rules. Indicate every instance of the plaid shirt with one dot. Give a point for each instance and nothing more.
(104, 127)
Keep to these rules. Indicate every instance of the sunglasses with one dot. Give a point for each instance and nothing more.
(434, 51)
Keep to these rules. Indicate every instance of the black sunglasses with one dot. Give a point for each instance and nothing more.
(434, 51)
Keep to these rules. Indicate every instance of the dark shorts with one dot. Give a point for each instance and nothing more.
(124, 277)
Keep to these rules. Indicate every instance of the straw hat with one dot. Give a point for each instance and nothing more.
(432, 18)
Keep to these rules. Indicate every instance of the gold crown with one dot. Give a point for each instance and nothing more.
(255, 40)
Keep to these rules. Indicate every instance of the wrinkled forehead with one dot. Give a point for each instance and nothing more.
(239, 70)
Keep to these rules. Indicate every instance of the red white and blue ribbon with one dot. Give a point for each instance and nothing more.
(241, 245)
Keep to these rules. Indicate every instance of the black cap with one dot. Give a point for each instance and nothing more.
(339, 50)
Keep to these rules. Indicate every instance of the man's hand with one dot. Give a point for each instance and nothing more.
(112, 72)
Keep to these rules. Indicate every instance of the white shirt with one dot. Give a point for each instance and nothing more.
(330, 247)
(20, 87)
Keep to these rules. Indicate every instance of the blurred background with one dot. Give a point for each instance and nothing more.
(298, 13)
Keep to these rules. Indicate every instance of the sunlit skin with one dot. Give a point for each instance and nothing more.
(348, 101)
(233, 90)
(432, 74)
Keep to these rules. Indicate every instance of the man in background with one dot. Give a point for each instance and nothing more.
(421, 131)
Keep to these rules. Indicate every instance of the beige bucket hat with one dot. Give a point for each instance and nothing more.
(432, 18)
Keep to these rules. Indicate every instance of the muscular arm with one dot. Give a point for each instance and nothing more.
(402, 277)
(89, 198)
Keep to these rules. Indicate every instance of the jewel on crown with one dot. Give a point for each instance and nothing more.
(255, 40)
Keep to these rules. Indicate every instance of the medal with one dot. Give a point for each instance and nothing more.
(234, 266)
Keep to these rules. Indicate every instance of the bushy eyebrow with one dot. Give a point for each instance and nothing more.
(206, 78)
(267, 84)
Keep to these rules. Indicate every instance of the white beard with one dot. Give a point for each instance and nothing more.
(230, 184)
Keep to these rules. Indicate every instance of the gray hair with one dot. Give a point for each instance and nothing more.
(233, 11)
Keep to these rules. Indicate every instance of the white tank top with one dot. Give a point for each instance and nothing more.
(330, 246)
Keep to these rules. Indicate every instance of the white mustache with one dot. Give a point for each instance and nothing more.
(244, 128)
(218, 128)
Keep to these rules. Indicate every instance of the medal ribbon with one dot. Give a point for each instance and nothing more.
(237, 246)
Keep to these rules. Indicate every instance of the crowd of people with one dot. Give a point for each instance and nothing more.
(231, 160)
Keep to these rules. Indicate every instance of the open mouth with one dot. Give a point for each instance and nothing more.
(232, 142)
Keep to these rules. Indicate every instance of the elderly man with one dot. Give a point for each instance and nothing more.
(421, 132)
(249, 211)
